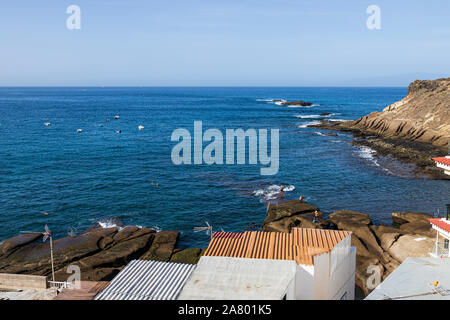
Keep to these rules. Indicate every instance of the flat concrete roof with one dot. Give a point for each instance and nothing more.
(225, 278)
(414, 280)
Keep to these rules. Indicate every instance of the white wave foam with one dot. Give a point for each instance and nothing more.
(311, 106)
(368, 154)
(107, 224)
(156, 228)
(306, 124)
(272, 192)
(339, 120)
(313, 116)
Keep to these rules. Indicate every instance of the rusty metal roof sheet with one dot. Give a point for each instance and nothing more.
(299, 245)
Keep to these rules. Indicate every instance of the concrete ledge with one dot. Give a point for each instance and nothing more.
(22, 281)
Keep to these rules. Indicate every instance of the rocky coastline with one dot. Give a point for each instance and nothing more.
(382, 246)
(412, 130)
(99, 252)
(102, 252)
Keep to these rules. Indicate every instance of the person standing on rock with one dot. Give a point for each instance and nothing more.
(316, 217)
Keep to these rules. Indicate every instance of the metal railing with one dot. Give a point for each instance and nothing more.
(59, 284)
(440, 250)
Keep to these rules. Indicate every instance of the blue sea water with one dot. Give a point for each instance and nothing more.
(81, 178)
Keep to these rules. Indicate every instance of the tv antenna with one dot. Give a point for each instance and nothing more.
(436, 214)
(48, 234)
(208, 229)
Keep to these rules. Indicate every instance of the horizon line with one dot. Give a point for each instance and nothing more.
(224, 86)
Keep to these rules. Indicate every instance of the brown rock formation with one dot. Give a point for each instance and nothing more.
(381, 246)
(423, 115)
(288, 214)
(413, 130)
(100, 253)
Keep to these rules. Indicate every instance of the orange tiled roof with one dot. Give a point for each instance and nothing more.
(443, 160)
(441, 224)
(299, 245)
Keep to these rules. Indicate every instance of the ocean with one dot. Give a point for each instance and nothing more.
(80, 178)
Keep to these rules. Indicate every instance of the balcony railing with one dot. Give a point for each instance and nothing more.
(440, 250)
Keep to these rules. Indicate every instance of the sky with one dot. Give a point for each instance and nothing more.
(223, 43)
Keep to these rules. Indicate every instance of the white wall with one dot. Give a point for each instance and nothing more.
(334, 272)
(304, 282)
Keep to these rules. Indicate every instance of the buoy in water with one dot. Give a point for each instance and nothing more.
(118, 131)
(141, 127)
(79, 130)
(45, 213)
(116, 117)
(47, 124)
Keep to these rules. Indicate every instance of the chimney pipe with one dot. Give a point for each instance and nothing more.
(448, 211)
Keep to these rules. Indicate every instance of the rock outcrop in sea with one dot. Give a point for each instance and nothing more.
(380, 246)
(413, 130)
(297, 103)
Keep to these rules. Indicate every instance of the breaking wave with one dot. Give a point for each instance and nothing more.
(306, 124)
(272, 192)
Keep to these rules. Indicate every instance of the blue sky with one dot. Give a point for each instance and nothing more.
(223, 43)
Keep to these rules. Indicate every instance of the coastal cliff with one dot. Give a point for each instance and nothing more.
(422, 116)
(412, 130)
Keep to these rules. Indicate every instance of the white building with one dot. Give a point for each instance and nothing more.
(304, 264)
(223, 278)
(416, 279)
(444, 163)
(442, 227)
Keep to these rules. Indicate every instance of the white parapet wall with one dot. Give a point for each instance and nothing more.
(10, 281)
(334, 273)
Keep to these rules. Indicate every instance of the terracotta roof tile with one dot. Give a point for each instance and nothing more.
(443, 160)
(438, 222)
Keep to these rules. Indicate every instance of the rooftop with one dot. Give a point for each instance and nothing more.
(300, 245)
(147, 280)
(441, 223)
(224, 278)
(414, 280)
(443, 160)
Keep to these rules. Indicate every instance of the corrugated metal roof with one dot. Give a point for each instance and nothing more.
(147, 280)
(223, 278)
(299, 245)
(414, 279)
(224, 234)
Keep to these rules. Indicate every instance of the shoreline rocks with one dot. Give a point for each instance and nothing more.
(99, 252)
(401, 147)
(385, 247)
(102, 252)
(413, 130)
